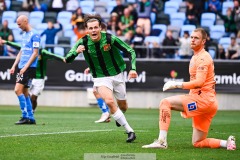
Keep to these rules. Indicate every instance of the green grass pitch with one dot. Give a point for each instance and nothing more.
(68, 133)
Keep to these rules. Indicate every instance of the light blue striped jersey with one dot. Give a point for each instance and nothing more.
(30, 41)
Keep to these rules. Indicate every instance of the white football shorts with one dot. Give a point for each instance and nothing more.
(37, 86)
(115, 83)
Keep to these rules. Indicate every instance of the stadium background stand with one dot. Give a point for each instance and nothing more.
(171, 18)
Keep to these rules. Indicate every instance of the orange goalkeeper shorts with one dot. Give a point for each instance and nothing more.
(201, 107)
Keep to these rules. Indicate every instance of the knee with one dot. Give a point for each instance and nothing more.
(122, 104)
(18, 91)
(164, 104)
(109, 101)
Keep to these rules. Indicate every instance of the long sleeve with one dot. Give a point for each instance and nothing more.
(72, 54)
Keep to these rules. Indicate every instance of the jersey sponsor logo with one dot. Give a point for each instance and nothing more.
(107, 47)
(35, 44)
(192, 106)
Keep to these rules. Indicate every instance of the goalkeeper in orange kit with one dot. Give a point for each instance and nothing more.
(200, 104)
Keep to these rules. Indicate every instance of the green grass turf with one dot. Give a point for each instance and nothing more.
(49, 142)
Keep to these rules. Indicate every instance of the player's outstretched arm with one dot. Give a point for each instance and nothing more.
(172, 85)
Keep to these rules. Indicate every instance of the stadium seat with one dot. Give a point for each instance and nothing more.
(10, 16)
(226, 5)
(16, 32)
(175, 31)
(182, 7)
(64, 17)
(149, 40)
(153, 17)
(131, 1)
(171, 7)
(162, 28)
(8, 4)
(177, 19)
(100, 7)
(110, 6)
(212, 50)
(225, 42)
(163, 19)
(177, 1)
(41, 27)
(217, 31)
(105, 16)
(188, 28)
(26, 13)
(72, 5)
(59, 51)
(208, 19)
(87, 6)
(64, 40)
(50, 16)
(36, 17)
(68, 31)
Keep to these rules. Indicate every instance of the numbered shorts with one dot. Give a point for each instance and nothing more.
(115, 83)
(26, 78)
(202, 108)
(37, 87)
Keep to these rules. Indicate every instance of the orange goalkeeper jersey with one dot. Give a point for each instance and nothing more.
(201, 70)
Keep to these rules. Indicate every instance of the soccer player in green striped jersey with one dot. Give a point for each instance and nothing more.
(38, 83)
(101, 51)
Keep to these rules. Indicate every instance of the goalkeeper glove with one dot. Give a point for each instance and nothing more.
(171, 85)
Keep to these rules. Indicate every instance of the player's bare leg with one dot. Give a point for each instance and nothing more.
(117, 114)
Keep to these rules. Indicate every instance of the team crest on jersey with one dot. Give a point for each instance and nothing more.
(35, 44)
(107, 47)
(192, 106)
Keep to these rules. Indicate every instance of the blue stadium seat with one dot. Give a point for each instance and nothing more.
(100, 7)
(64, 17)
(212, 53)
(68, 31)
(16, 32)
(153, 17)
(163, 29)
(8, 4)
(152, 39)
(36, 17)
(41, 27)
(188, 28)
(177, 1)
(225, 42)
(217, 31)
(171, 7)
(226, 5)
(110, 6)
(177, 19)
(87, 6)
(26, 13)
(208, 19)
(10, 16)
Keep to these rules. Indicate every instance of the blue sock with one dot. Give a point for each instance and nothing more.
(23, 105)
(102, 105)
(29, 108)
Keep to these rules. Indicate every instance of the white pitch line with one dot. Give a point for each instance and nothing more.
(51, 133)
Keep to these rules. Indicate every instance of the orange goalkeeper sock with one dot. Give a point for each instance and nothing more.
(208, 143)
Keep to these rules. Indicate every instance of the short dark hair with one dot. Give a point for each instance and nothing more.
(91, 18)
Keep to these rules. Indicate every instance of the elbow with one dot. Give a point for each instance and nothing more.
(198, 84)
